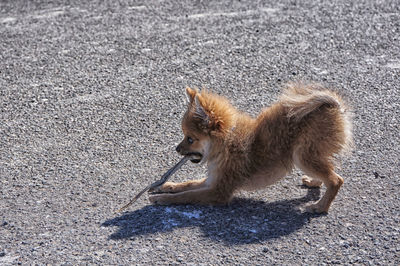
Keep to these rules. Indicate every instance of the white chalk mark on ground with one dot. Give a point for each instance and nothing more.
(7, 20)
(393, 65)
(137, 7)
(190, 215)
(170, 223)
(234, 14)
(50, 14)
(86, 98)
(8, 259)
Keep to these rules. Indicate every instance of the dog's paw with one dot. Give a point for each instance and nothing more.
(310, 182)
(168, 187)
(316, 208)
(155, 190)
(153, 198)
(158, 199)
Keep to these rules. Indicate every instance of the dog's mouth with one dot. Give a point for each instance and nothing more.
(195, 157)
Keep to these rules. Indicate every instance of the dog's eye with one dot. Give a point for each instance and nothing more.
(190, 140)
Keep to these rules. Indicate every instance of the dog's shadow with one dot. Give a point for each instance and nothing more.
(243, 221)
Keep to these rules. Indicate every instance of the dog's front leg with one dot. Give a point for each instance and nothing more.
(202, 196)
(171, 187)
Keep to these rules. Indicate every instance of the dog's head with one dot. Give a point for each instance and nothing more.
(208, 117)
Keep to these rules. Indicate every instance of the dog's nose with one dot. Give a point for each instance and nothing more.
(178, 148)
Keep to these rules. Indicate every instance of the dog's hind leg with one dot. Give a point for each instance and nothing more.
(319, 168)
(333, 182)
(311, 182)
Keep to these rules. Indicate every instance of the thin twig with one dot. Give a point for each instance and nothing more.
(158, 183)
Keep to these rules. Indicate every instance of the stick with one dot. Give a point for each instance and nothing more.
(158, 183)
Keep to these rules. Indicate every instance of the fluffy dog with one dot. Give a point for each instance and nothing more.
(306, 128)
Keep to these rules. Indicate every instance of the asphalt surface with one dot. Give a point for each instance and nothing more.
(91, 96)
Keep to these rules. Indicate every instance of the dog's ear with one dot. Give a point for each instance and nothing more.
(209, 121)
(200, 112)
(191, 93)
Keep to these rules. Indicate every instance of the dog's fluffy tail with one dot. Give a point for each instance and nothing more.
(301, 100)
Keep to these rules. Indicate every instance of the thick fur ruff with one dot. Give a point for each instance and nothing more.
(306, 128)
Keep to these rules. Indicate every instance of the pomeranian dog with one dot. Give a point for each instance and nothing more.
(306, 128)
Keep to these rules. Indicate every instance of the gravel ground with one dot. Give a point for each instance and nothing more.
(91, 96)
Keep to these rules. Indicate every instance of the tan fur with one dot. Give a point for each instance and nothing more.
(305, 128)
